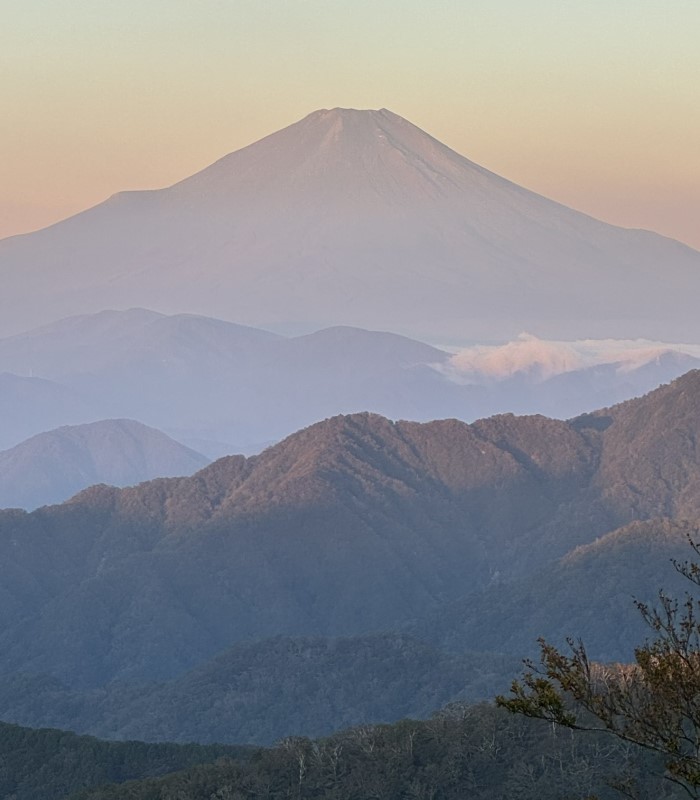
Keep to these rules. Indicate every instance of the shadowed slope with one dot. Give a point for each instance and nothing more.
(352, 525)
(259, 692)
(590, 593)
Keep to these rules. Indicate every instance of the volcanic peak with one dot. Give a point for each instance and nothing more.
(357, 218)
(367, 152)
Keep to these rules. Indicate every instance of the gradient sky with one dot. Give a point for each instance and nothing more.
(595, 103)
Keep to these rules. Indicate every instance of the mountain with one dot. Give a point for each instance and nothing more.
(260, 692)
(356, 218)
(53, 466)
(223, 388)
(577, 391)
(207, 381)
(353, 525)
(589, 593)
(349, 526)
(480, 752)
(29, 405)
(52, 764)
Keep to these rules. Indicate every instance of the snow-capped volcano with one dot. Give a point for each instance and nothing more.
(356, 218)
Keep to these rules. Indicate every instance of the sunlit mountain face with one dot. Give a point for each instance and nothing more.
(357, 218)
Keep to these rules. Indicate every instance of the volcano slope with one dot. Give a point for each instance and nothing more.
(355, 217)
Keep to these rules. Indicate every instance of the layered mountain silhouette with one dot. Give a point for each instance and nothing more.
(352, 525)
(223, 388)
(53, 466)
(31, 405)
(356, 218)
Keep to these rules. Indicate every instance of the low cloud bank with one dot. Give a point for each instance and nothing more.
(540, 359)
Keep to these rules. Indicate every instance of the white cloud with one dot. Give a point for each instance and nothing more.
(542, 359)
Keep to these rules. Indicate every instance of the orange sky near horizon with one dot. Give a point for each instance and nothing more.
(596, 104)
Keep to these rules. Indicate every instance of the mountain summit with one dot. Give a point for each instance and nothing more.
(345, 156)
(355, 218)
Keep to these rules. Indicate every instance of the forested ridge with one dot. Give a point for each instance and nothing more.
(49, 764)
(478, 752)
(353, 525)
(258, 693)
(358, 572)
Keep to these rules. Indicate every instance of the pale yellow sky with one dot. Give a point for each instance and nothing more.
(595, 104)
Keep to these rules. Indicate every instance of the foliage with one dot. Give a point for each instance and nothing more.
(51, 763)
(353, 525)
(261, 691)
(476, 752)
(587, 591)
(654, 703)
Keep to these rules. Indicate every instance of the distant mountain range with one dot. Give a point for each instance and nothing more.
(53, 466)
(353, 525)
(31, 405)
(373, 564)
(356, 218)
(222, 388)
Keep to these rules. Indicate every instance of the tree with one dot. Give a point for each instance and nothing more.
(653, 703)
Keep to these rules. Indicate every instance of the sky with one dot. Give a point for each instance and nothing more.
(594, 103)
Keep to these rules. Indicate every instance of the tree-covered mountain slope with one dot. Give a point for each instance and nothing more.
(50, 764)
(258, 693)
(589, 593)
(352, 525)
(477, 752)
